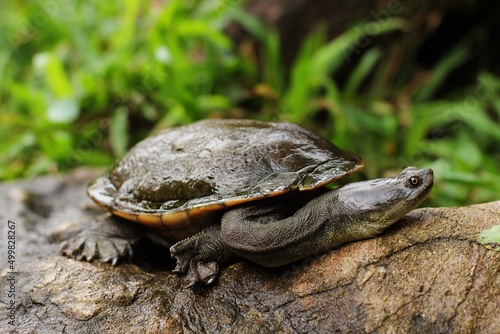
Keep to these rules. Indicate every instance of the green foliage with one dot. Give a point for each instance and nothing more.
(93, 66)
(457, 136)
(490, 238)
(81, 82)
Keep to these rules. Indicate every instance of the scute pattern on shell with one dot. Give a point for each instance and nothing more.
(219, 162)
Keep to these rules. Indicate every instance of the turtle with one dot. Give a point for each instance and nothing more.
(220, 189)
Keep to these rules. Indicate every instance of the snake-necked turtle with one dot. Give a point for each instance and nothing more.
(220, 188)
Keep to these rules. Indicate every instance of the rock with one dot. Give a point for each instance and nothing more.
(426, 274)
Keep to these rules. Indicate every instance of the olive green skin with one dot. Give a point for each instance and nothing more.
(171, 181)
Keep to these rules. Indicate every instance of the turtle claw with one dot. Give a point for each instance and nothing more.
(193, 269)
(200, 273)
(108, 239)
(198, 257)
(183, 261)
(90, 246)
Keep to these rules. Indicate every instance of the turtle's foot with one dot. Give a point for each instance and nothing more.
(198, 257)
(108, 239)
(89, 246)
(197, 272)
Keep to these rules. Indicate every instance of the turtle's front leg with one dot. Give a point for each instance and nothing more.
(198, 257)
(107, 239)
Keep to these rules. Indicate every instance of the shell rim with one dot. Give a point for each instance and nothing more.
(155, 215)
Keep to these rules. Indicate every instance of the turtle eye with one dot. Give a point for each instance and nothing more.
(414, 181)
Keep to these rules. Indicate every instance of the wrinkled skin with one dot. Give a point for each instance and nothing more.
(277, 231)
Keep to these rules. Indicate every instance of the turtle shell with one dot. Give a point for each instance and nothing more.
(172, 180)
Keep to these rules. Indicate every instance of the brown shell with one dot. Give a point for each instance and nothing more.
(171, 180)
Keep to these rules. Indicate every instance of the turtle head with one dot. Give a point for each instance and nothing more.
(372, 206)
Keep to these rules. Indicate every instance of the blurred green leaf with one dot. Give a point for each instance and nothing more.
(196, 28)
(214, 102)
(63, 111)
(56, 77)
(16, 146)
(490, 238)
(118, 135)
(24, 96)
(468, 154)
(56, 144)
(318, 60)
(362, 71)
(439, 73)
(250, 23)
(126, 29)
(273, 70)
